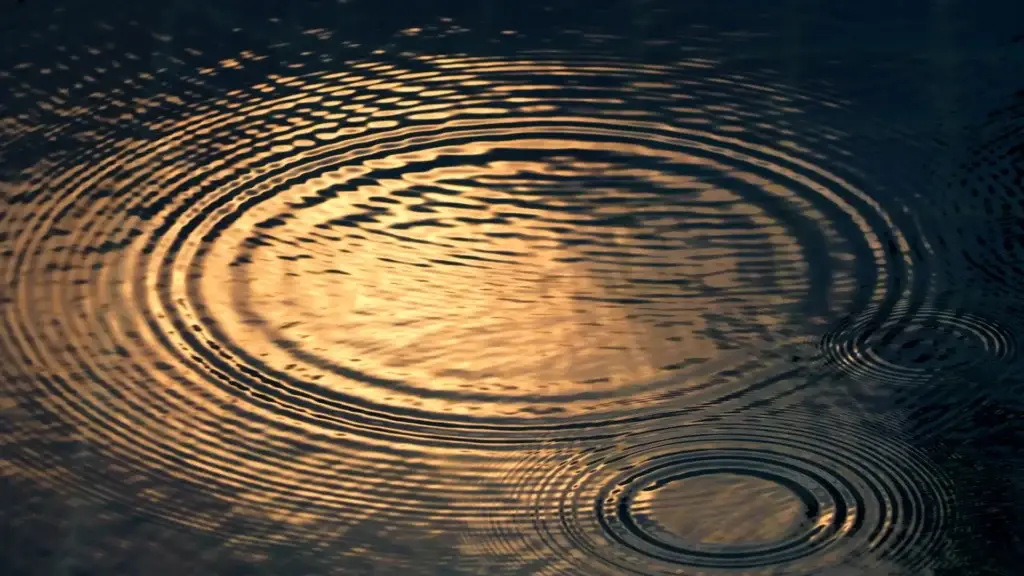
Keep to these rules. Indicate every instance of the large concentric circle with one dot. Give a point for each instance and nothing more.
(397, 333)
(781, 494)
(319, 301)
(458, 243)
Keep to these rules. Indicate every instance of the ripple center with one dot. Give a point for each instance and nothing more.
(721, 509)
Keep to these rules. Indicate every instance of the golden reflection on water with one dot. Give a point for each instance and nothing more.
(534, 320)
(723, 509)
(486, 243)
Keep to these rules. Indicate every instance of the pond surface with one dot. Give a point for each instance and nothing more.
(555, 288)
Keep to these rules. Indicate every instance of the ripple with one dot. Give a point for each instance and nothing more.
(793, 493)
(310, 309)
(910, 348)
(446, 243)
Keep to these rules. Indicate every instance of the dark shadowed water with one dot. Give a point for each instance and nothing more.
(725, 287)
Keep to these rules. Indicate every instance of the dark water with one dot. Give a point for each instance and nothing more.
(557, 288)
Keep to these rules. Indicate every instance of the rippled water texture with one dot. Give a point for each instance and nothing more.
(429, 312)
(784, 493)
(447, 243)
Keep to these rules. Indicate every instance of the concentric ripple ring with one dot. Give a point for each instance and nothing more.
(783, 494)
(315, 308)
(377, 247)
(909, 349)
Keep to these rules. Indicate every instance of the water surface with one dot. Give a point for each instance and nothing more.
(343, 289)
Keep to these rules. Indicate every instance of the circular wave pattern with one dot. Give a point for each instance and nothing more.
(457, 244)
(905, 348)
(255, 309)
(772, 495)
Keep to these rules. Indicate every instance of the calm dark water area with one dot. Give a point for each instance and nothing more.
(725, 287)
